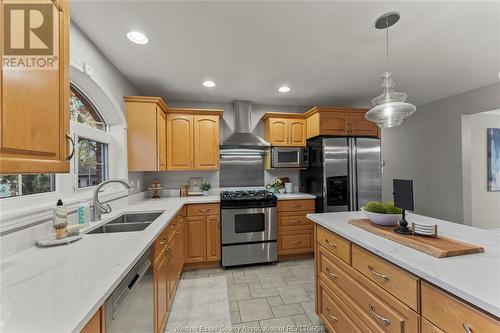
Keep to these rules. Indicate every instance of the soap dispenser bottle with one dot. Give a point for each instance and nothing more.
(60, 219)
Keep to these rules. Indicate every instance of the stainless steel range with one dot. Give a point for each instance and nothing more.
(248, 227)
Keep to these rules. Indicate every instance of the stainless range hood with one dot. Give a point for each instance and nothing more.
(242, 136)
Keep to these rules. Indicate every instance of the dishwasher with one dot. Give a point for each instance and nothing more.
(130, 307)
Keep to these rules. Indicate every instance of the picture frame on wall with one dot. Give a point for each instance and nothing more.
(493, 159)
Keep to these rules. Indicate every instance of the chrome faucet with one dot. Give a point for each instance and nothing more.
(100, 208)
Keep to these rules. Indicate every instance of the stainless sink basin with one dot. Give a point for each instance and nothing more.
(127, 222)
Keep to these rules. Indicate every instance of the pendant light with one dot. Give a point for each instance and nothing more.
(389, 108)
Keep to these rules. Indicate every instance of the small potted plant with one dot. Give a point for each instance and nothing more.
(275, 185)
(205, 187)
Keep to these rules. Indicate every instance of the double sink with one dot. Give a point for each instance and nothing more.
(127, 222)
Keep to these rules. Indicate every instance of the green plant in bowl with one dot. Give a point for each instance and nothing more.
(375, 207)
(391, 209)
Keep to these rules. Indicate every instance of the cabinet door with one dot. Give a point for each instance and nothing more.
(213, 238)
(34, 107)
(95, 324)
(161, 135)
(334, 123)
(279, 132)
(359, 126)
(206, 142)
(195, 239)
(179, 142)
(297, 132)
(161, 292)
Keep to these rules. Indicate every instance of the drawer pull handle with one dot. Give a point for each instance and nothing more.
(163, 241)
(294, 221)
(467, 328)
(385, 321)
(330, 243)
(294, 243)
(332, 273)
(382, 276)
(331, 316)
(296, 206)
(203, 210)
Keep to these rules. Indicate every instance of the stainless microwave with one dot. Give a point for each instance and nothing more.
(289, 157)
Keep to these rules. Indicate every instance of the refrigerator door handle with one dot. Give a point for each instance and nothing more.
(354, 174)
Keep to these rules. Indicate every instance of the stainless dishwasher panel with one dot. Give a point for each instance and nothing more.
(130, 308)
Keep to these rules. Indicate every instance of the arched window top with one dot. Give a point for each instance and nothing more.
(83, 111)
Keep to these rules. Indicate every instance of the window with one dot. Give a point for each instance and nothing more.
(90, 131)
(19, 185)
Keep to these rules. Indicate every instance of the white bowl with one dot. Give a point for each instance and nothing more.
(382, 219)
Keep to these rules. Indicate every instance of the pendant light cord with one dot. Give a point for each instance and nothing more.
(387, 44)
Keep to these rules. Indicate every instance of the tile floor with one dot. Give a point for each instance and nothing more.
(269, 297)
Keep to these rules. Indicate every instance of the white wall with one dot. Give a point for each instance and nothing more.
(428, 149)
(481, 208)
(173, 179)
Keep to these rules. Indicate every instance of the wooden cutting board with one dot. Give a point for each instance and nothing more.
(438, 247)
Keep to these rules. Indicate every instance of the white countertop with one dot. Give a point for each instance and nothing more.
(474, 277)
(58, 289)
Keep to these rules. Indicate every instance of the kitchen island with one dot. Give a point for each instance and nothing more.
(367, 282)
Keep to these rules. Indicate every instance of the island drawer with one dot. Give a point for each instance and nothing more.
(398, 282)
(292, 242)
(337, 245)
(294, 221)
(453, 315)
(203, 209)
(335, 314)
(427, 327)
(378, 310)
(296, 205)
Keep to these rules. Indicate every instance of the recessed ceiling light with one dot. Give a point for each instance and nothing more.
(137, 37)
(284, 89)
(209, 84)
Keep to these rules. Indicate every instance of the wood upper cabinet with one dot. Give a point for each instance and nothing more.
(340, 122)
(179, 142)
(285, 129)
(34, 106)
(146, 133)
(206, 142)
(193, 139)
(213, 238)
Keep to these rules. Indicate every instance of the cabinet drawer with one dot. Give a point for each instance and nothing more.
(295, 205)
(337, 245)
(296, 242)
(395, 280)
(334, 314)
(294, 221)
(378, 310)
(427, 327)
(161, 243)
(172, 227)
(452, 315)
(204, 209)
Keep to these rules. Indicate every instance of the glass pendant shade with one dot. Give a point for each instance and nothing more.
(389, 108)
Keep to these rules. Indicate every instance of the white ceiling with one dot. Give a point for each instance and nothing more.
(329, 53)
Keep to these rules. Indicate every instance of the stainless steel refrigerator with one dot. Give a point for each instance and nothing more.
(343, 173)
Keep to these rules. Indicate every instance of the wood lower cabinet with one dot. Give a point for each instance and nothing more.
(339, 122)
(285, 129)
(202, 233)
(34, 104)
(146, 133)
(96, 324)
(160, 278)
(383, 296)
(213, 238)
(295, 231)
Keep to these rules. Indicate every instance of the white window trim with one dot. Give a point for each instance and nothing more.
(78, 130)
